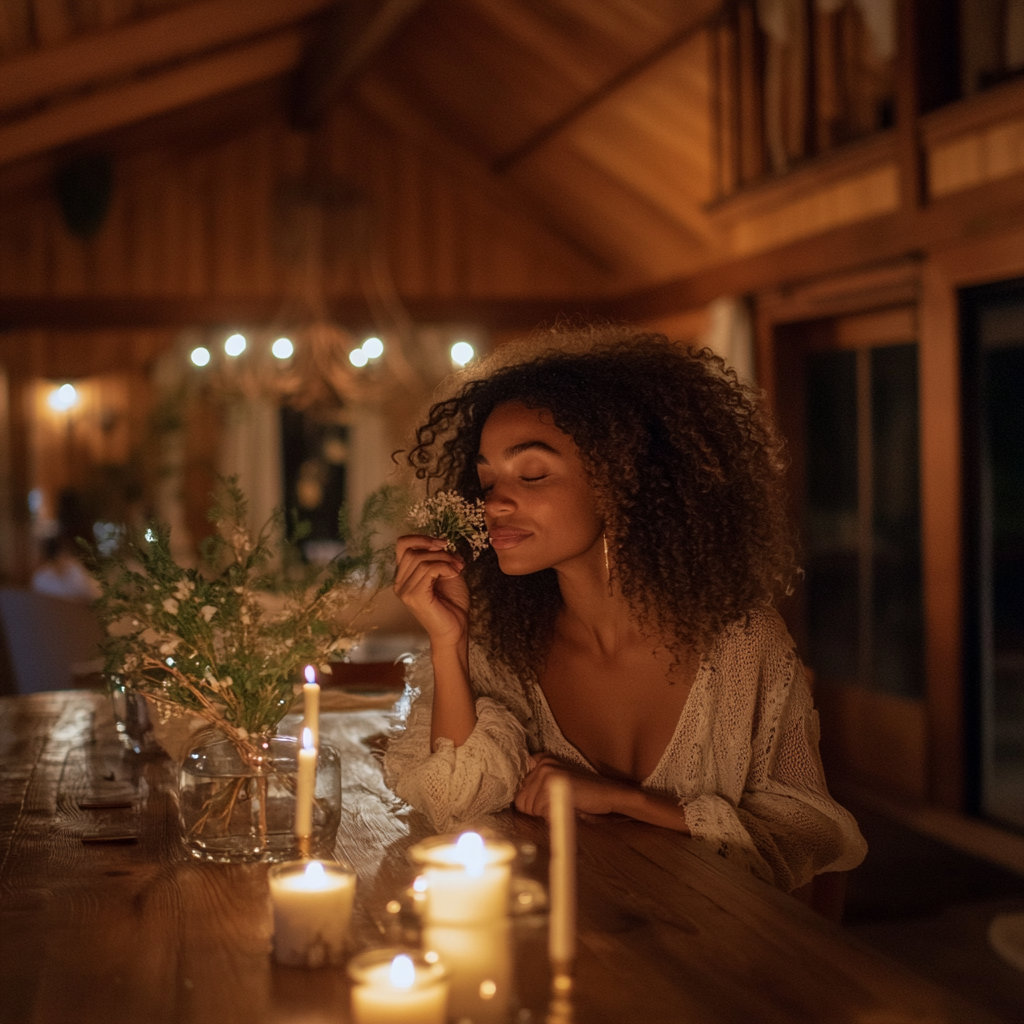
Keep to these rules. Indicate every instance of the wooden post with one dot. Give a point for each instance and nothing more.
(751, 95)
(908, 108)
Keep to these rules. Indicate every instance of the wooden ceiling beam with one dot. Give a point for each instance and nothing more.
(124, 313)
(700, 14)
(97, 57)
(353, 33)
(156, 94)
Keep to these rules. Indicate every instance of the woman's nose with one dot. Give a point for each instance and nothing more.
(499, 502)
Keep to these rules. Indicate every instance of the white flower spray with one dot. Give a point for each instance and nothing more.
(449, 515)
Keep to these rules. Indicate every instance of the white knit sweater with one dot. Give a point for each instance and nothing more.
(743, 761)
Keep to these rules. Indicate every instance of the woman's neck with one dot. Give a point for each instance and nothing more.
(594, 613)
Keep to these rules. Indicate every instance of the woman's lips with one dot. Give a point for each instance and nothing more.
(504, 537)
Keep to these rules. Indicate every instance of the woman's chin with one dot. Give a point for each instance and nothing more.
(513, 565)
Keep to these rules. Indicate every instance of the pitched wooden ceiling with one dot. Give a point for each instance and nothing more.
(592, 115)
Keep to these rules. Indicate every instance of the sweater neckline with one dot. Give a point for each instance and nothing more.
(703, 671)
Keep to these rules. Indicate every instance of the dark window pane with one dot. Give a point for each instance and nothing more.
(830, 524)
(832, 432)
(896, 628)
(1003, 382)
(833, 615)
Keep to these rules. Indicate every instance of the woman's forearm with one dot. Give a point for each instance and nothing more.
(454, 711)
(653, 808)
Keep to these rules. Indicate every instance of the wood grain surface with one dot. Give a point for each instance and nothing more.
(136, 932)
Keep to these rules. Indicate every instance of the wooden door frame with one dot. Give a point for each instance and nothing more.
(983, 259)
(932, 281)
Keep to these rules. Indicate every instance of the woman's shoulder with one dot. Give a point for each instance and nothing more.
(761, 630)
(757, 648)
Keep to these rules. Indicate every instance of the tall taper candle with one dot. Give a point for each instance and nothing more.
(562, 877)
(305, 787)
(311, 705)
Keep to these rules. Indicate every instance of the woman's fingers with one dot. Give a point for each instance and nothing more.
(419, 542)
(421, 571)
(412, 560)
(532, 797)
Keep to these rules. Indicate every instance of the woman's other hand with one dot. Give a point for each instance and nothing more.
(594, 794)
(429, 583)
(591, 793)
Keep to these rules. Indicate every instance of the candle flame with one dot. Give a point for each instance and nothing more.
(315, 873)
(310, 674)
(307, 739)
(403, 972)
(470, 850)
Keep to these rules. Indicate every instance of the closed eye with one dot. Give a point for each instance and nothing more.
(533, 479)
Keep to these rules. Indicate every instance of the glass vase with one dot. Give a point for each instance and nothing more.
(234, 811)
(131, 716)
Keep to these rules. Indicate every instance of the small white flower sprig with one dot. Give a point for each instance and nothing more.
(449, 515)
(227, 639)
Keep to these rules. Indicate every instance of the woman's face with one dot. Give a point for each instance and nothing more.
(538, 501)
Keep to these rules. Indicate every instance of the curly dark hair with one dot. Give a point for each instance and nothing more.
(687, 471)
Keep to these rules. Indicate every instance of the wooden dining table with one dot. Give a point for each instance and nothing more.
(137, 932)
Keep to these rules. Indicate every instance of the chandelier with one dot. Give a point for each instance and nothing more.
(303, 357)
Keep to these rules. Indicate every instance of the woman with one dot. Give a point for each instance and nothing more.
(621, 628)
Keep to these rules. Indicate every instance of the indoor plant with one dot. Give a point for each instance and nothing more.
(225, 641)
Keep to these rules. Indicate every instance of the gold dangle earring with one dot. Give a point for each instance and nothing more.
(607, 563)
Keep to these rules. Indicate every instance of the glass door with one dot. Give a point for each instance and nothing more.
(861, 516)
(993, 375)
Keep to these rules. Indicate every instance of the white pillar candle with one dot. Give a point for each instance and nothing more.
(467, 878)
(311, 705)
(305, 787)
(393, 987)
(478, 959)
(312, 903)
(562, 876)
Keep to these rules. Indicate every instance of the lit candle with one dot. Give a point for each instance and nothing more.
(479, 963)
(392, 987)
(312, 904)
(467, 878)
(311, 705)
(305, 787)
(562, 876)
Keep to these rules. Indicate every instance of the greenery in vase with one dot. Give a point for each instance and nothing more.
(226, 639)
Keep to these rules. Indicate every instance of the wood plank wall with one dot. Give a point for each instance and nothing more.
(207, 224)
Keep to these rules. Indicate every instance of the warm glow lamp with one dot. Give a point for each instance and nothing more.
(63, 398)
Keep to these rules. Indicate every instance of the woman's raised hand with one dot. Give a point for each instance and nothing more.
(429, 583)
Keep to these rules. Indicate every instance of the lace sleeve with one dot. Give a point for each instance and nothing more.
(453, 785)
(784, 826)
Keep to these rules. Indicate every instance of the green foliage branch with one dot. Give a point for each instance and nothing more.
(227, 638)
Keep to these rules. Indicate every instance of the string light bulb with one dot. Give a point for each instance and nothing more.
(357, 357)
(373, 347)
(235, 345)
(63, 398)
(282, 348)
(462, 352)
(200, 356)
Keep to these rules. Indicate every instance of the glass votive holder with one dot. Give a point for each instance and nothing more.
(478, 959)
(312, 905)
(398, 986)
(466, 877)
